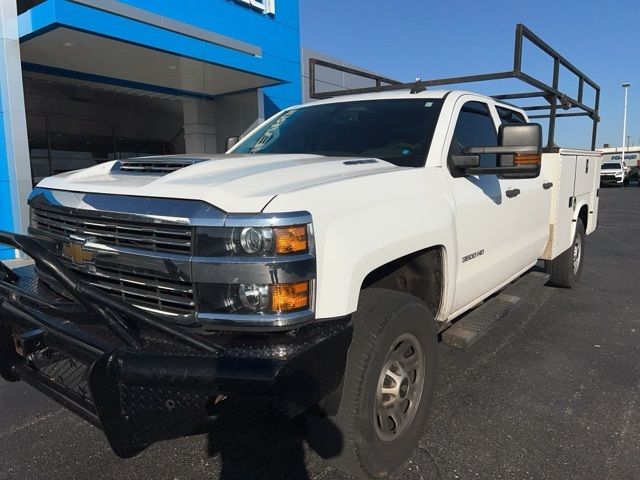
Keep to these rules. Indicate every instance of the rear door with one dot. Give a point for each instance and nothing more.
(486, 217)
(534, 203)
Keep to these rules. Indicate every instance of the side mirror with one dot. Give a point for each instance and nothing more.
(232, 142)
(466, 161)
(526, 139)
(519, 151)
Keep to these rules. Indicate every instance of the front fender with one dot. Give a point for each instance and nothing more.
(364, 223)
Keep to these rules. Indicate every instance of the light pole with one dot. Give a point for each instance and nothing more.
(626, 86)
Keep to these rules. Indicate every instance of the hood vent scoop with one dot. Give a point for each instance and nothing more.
(155, 165)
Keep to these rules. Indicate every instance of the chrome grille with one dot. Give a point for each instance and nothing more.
(156, 291)
(145, 236)
(150, 292)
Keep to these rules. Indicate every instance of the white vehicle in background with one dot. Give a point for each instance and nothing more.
(614, 172)
(313, 266)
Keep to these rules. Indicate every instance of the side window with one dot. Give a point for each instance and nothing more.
(510, 116)
(475, 128)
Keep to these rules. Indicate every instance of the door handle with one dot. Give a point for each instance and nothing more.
(547, 185)
(513, 192)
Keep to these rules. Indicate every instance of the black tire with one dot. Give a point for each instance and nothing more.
(384, 317)
(562, 270)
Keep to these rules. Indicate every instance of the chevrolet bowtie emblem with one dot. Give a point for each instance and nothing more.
(76, 252)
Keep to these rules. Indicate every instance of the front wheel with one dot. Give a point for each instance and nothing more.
(388, 385)
(566, 269)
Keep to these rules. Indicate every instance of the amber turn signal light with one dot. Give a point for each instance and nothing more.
(289, 297)
(291, 239)
(526, 159)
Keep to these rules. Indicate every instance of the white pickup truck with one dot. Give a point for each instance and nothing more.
(315, 263)
(614, 172)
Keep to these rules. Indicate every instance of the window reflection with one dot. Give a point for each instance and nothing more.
(60, 144)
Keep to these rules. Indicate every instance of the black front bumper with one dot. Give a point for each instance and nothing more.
(142, 382)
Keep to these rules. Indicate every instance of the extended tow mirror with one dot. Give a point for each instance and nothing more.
(525, 137)
(232, 142)
(466, 161)
(519, 151)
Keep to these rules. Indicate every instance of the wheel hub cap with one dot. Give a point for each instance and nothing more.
(399, 388)
(577, 253)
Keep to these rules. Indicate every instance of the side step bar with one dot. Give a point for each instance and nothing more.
(471, 328)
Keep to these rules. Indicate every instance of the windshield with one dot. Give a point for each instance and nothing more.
(611, 166)
(398, 131)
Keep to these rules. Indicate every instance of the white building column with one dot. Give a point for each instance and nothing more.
(199, 126)
(15, 171)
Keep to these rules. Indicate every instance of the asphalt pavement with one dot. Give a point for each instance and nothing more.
(553, 392)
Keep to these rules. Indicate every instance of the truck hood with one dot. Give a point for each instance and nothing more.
(233, 183)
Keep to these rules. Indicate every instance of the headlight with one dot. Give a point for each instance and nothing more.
(252, 297)
(256, 240)
(252, 241)
(255, 268)
(257, 299)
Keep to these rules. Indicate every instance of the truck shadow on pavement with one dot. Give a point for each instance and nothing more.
(253, 442)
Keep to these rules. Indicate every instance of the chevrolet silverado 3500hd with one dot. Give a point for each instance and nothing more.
(314, 264)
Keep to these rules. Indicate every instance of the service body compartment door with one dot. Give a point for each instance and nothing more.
(561, 171)
(585, 166)
(575, 175)
(587, 187)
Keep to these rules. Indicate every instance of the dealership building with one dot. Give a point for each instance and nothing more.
(87, 81)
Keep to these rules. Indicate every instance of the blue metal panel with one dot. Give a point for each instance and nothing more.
(6, 220)
(279, 36)
(227, 17)
(4, 163)
(37, 20)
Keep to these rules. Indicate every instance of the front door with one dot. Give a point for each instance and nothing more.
(486, 207)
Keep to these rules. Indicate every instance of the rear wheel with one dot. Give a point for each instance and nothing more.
(566, 269)
(388, 386)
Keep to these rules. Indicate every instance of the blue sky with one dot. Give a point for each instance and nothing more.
(404, 39)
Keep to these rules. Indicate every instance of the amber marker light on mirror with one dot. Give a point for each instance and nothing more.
(289, 297)
(526, 159)
(291, 239)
